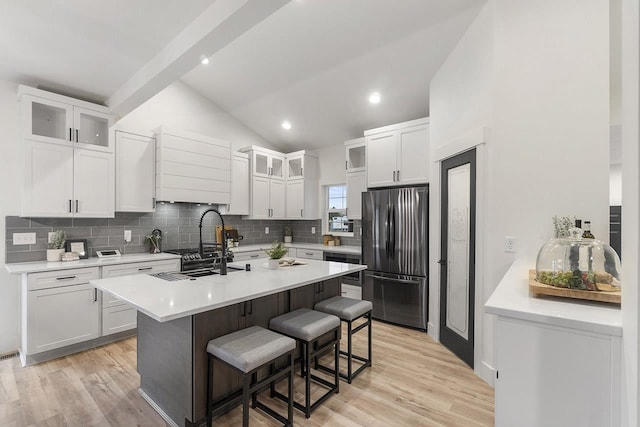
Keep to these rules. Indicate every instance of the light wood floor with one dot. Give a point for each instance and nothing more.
(413, 381)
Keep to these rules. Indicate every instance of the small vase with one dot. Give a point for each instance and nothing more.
(288, 239)
(273, 263)
(54, 255)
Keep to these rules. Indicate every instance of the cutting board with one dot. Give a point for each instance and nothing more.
(219, 232)
(536, 288)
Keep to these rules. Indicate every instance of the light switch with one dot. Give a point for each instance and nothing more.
(266, 230)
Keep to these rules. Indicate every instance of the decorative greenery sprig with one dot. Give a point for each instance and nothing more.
(155, 240)
(277, 250)
(561, 226)
(58, 240)
(288, 231)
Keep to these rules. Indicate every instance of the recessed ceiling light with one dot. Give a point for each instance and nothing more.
(205, 61)
(286, 125)
(374, 98)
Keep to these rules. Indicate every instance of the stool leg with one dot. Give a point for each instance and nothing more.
(245, 399)
(307, 397)
(369, 330)
(209, 391)
(349, 352)
(272, 386)
(290, 403)
(302, 356)
(254, 380)
(337, 359)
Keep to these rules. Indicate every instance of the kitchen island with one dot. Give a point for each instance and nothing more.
(176, 320)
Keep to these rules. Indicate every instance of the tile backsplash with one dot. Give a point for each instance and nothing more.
(178, 222)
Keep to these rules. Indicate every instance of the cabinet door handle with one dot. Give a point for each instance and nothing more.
(394, 176)
(95, 295)
(250, 306)
(70, 205)
(153, 203)
(398, 175)
(301, 216)
(66, 277)
(346, 165)
(76, 135)
(308, 253)
(301, 171)
(243, 309)
(254, 256)
(145, 268)
(70, 134)
(76, 206)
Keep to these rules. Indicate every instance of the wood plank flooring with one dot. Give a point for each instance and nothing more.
(413, 381)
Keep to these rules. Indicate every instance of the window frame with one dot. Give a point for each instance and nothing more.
(326, 210)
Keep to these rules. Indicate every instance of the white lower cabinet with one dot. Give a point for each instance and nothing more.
(59, 309)
(309, 254)
(351, 291)
(117, 316)
(554, 376)
(249, 255)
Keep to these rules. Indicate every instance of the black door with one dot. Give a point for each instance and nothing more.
(457, 252)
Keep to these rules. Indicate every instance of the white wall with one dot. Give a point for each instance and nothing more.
(180, 107)
(330, 171)
(549, 117)
(10, 196)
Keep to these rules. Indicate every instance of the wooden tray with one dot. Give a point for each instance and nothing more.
(536, 288)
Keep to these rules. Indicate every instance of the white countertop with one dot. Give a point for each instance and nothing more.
(342, 249)
(511, 299)
(40, 266)
(164, 300)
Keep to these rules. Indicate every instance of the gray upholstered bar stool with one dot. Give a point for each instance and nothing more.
(307, 326)
(349, 310)
(247, 351)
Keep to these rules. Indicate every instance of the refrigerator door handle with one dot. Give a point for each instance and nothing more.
(390, 279)
(392, 234)
(388, 232)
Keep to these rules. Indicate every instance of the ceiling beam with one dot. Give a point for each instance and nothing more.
(215, 28)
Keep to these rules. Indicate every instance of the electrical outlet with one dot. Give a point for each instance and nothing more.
(313, 230)
(127, 236)
(50, 236)
(266, 230)
(24, 238)
(510, 244)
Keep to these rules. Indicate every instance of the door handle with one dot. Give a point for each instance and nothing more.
(65, 277)
(394, 176)
(254, 256)
(301, 213)
(95, 295)
(70, 134)
(243, 309)
(250, 306)
(76, 135)
(398, 175)
(390, 279)
(76, 206)
(70, 202)
(346, 165)
(144, 268)
(442, 261)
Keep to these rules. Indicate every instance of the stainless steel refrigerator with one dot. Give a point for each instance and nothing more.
(396, 251)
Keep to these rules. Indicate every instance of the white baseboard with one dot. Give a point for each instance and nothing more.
(157, 408)
(488, 373)
(432, 331)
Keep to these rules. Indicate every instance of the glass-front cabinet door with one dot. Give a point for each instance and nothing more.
(47, 120)
(261, 164)
(295, 167)
(91, 129)
(356, 155)
(277, 167)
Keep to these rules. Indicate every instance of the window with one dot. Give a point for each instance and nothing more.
(336, 213)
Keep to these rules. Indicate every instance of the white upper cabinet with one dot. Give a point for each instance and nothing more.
(192, 168)
(267, 163)
(53, 118)
(356, 185)
(277, 196)
(302, 185)
(398, 154)
(239, 204)
(355, 155)
(135, 172)
(68, 160)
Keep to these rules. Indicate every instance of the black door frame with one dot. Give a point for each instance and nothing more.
(462, 348)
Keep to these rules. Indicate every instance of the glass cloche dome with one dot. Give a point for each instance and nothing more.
(578, 263)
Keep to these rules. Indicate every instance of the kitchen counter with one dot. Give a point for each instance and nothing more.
(163, 300)
(342, 249)
(42, 266)
(511, 299)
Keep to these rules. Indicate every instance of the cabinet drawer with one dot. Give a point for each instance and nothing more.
(148, 267)
(54, 279)
(248, 256)
(118, 319)
(309, 254)
(351, 291)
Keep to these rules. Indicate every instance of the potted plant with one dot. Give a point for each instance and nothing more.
(56, 246)
(288, 234)
(277, 251)
(154, 238)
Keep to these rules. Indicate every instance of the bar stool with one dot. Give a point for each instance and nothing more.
(348, 310)
(307, 326)
(247, 351)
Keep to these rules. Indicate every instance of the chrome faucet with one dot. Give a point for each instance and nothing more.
(223, 266)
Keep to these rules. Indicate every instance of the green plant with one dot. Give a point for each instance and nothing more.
(561, 226)
(58, 240)
(277, 250)
(288, 231)
(155, 241)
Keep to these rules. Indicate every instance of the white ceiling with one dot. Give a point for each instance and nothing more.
(86, 49)
(314, 62)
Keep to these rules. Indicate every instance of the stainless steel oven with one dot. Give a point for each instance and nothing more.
(349, 279)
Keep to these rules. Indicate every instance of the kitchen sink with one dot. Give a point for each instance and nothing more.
(210, 271)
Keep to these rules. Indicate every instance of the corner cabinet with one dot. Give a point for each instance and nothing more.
(192, 168)
(302, 185)
(356, 166)
(68, 160)
(135, 172)
(398, 154)
(267, 190)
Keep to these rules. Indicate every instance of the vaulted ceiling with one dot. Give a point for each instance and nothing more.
(312, 62)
